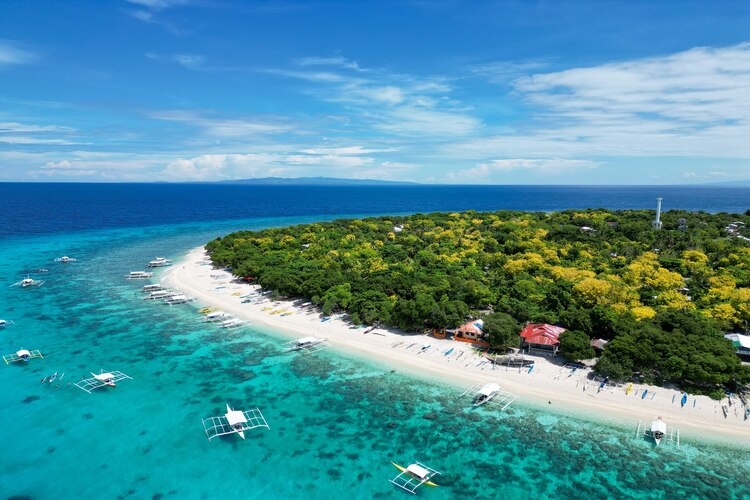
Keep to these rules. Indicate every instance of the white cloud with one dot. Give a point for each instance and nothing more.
(159, 4)
(189, 61)
(690, 104)
(219, 167)
(11, 54)
(487, 172)
(15, 127)
(339, 61)
(222, 127)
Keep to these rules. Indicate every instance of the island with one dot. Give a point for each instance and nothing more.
(660, 298)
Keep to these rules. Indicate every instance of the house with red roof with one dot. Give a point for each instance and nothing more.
(541, 337)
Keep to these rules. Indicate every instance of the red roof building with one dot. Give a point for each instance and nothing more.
(541, 336)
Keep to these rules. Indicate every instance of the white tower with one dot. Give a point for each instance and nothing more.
(657, 222)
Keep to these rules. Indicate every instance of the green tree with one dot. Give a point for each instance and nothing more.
(502, 330)
(574, 345)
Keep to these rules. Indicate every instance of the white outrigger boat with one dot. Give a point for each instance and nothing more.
(234, 422)
(65, 259)
(159, 262)
(307, 344)
(178, 299)
(160, 294)
(5, 322)
(152, 288)
(232, 323)
(100, 380)
(22, 355)
(28, 281)
(217, 317)
(490, 392)
(139, 275)
(658, 432)
(412, 477)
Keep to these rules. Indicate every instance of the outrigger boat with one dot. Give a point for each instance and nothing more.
(139, 275)
(234, 422)
(152, 288)
(232, 323)
(217, 316)
(160, 294)
(159, 262)
(307, 344)
(490, 392)
(27, 281)
(5, 322)
(65, 259)
(100, 380)
(178, 299)
(412, 477)
(658, 430)
(22, 355)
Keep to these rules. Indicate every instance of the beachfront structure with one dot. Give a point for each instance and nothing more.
(541, 337)
(27, 282)
(741, 343)
(101, 379)
(307, 344)
(657, 222)
(22, 355)
(234, 422)
(471, 332)
(412, 477)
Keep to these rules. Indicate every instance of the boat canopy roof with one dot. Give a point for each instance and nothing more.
(23, 352)
(659, 426)
(418, 471)
(103, 376)
(489, 389)
(306, 340)
(235, 417)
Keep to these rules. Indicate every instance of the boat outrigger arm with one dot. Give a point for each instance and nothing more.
(412, 477)
(234, 422)
(100, 380)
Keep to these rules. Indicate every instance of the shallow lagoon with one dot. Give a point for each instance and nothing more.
(335, 422)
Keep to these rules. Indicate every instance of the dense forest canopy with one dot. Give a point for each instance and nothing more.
(598, 272)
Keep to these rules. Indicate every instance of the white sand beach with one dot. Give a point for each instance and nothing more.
(547, 384)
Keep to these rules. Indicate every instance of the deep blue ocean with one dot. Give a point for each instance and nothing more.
(336, 422)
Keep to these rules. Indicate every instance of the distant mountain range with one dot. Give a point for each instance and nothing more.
(313, 181)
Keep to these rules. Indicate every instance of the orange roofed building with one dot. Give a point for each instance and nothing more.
(472, 332)
(541, 337)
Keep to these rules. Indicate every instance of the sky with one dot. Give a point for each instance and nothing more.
(512, 92)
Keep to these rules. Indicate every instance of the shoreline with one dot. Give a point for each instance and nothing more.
(548, 385)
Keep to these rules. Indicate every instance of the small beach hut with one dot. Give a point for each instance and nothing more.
(472, 332)
(541, 337)
(741, 343)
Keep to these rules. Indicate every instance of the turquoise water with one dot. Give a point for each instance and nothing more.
(335, 422)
